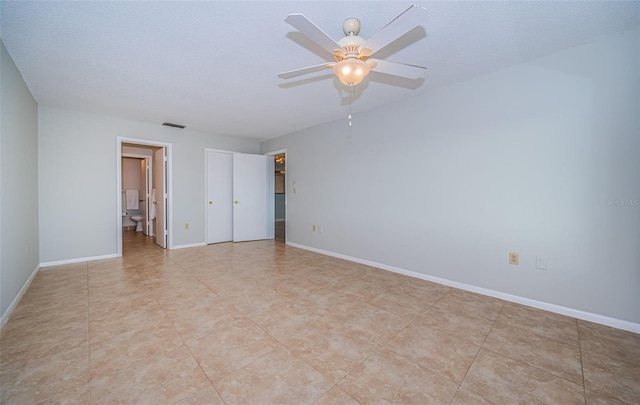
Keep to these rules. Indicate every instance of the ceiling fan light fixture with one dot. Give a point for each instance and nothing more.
(351, 71)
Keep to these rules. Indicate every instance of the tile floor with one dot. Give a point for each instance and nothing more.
(265, 323)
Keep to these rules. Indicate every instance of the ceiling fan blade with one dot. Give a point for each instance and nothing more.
(398, 69)
(302, 24)
(304, 71)
(405, 22)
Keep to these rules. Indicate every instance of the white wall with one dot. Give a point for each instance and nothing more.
(538, 159)
(19, 184)
(77, 180)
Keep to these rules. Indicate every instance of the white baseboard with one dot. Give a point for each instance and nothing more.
(190, 245)
(82, 259)
(574, 313)
(16, 300)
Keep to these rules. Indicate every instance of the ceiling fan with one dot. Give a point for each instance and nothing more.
(353, 53)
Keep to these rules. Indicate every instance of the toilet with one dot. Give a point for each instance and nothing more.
(138, 220)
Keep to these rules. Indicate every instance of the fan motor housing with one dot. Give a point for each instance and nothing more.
(351, 26)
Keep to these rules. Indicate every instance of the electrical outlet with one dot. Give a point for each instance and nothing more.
(541, 262)
(513, 258)
(186, 226)
(313, 228)
(321, 229)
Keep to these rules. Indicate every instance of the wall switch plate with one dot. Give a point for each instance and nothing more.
(541, 262)
(513, 258)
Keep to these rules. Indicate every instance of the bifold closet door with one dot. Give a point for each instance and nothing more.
(250, 175)
(219, 197)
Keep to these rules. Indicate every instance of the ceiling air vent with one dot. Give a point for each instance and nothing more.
(172, 125)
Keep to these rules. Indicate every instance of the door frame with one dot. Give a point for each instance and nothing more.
(118, 191)
(271, 188)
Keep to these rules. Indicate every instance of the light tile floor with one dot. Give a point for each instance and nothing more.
(265, 323)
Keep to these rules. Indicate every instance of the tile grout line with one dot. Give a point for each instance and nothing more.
(293, 351)
(584, 384)
(88, 334)
(184, 342)
(542, 337)
(431, 305)
(283, 345)
(477, 354)
(164, 311)
(521, 362)
(538, 334)
(346, 375)
(526, 364)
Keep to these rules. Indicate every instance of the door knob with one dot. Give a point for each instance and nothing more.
(236, 202)
(210, 202)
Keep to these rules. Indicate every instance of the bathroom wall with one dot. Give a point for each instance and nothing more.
(131, 181)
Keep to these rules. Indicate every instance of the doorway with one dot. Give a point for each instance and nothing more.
(137, 180)
(155, 195)
(280, 198)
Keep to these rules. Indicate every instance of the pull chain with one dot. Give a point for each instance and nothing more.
(352, 90)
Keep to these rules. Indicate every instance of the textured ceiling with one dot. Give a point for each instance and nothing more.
(212, 65)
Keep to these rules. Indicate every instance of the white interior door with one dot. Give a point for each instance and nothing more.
(219, 197)
(148, 229)
(160, 202)
(250, 175)
(143, 194)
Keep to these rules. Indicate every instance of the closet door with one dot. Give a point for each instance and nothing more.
(219, 197)
(249, 197)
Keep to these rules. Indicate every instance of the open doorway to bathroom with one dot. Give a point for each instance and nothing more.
(137, 209)
(280, 196)
(144, 189)
(137, 181)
